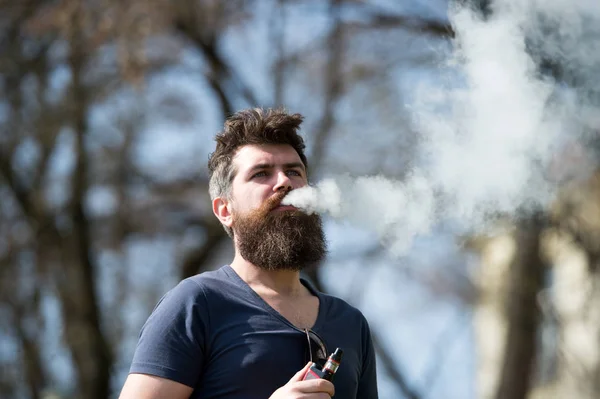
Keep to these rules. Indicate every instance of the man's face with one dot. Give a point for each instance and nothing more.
(262, 171)
(269, 235)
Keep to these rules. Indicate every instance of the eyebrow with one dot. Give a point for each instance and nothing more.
(289, 165)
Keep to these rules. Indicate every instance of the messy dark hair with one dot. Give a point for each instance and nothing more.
(250, 126)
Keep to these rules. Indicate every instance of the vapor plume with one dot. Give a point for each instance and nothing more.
(493, 123)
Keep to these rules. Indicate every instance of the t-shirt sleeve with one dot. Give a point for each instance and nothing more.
(367, 386)
(172, 341)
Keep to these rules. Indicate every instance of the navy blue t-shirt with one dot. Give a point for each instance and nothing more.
(212, 332)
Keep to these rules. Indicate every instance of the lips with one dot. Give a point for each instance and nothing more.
(275, 201)
(285, 208)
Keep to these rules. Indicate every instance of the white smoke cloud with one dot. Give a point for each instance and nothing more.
(395, 210)
(490, 133)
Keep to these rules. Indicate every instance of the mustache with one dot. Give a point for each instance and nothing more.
(274, 201)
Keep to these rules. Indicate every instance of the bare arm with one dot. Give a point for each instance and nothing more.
(144, 386)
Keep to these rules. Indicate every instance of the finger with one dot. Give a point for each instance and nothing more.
(299, 376)
(316, 386)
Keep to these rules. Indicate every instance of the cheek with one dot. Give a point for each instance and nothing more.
(246, 202)
(300, 183)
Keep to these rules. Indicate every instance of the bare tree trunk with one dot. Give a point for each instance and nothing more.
(34, 371)
(576, 295)
(507, 315)
(522, 313)
(489, 318)
(89, 347)
(572, 300)
(25, 319)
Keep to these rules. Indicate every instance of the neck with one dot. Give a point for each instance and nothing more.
(273, 282)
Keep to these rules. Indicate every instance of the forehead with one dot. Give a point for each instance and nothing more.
(253, 154)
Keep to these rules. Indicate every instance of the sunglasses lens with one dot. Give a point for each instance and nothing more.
(318, 351)
(310, 346)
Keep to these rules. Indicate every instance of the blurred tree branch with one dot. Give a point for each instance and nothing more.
(223, 79)
(333, 84)
(27, 324)
(373, 17)
(391, 368)
(71, 238)
(441, 348)
(18, 189)
(277, 36)
(196, 260)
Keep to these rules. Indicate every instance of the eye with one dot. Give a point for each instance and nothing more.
(293, 172)
(259, 174)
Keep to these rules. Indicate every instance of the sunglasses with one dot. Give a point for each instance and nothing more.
(317, 351)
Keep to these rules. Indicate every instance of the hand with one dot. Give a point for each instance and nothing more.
(310, 389)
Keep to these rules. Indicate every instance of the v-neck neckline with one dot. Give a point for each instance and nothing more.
(265, 305)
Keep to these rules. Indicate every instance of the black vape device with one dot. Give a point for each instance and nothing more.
(328, 370)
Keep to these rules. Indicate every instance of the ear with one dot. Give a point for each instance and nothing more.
(222, 210)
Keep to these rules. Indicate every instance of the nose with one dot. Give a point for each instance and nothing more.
(283, 182)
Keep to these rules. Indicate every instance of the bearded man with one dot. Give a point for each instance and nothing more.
(252, 329)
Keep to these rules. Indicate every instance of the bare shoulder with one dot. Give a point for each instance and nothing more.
(144, 386)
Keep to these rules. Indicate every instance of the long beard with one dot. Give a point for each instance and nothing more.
(284, 240)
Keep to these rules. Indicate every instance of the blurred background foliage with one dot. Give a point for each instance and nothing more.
(107, 113)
